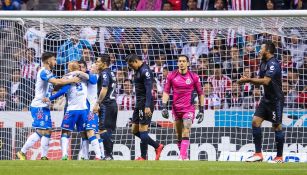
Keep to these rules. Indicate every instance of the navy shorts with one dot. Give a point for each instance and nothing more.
(270, 111)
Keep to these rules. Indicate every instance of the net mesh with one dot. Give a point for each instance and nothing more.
(221, 50)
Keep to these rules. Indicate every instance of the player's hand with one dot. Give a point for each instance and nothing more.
(243, 79)
(96, 108)
(148, 112)
(45, 100)
(165, 113)
(200, 117)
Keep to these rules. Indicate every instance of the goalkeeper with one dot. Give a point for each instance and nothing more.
(183, 83)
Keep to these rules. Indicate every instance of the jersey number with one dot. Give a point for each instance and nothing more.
(79, 86)
(112, 96)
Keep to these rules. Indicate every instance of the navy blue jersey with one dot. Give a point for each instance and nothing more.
(107, 79)
(271, 68)
(143, 79)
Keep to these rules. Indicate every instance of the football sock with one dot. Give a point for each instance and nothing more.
(95, 145)
(45, 145)
(85, 148)
(280, 139)
(257, 135)
(64, 144)
(107, 143)
(151, 142)
(101, 147)
(179, 144)
(144, 144)
(30, 141)
(185, 143)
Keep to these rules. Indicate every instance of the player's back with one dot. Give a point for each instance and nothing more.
(76, 96)
(272, 69)
(42, 87)
(108, 79)
(92, 93)
(183, 87)
(140, 77)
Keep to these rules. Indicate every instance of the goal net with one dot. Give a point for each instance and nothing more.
(221, 46)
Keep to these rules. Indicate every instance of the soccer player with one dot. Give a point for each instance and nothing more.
(271, 104)
(39, 110)
(183, 82)
(106, 103)
(143, 79)
(76, 113)
(92, 119)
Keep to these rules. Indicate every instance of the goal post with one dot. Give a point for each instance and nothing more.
(221, 45)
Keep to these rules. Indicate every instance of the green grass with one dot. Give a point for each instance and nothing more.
(149, 168)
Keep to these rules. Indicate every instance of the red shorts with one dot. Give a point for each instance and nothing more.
(183, 115)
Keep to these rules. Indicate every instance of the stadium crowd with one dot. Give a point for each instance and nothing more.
(139, 5)
(219, 57)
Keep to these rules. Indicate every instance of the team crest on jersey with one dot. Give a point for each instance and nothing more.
(272, 68)
(40, 114)
(41, 123)
(188, 81)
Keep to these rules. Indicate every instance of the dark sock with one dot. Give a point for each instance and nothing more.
(257, 135)
(108, 143)
(279, 139)
(144, 144)
(179, 144)
(151, 142)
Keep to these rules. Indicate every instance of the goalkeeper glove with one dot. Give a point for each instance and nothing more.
(165, 111)
(200, 115)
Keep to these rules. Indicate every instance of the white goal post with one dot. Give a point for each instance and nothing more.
(221, 45)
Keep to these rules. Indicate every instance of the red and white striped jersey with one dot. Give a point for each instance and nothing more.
(240, 4)
(212, 101)
(126, 102)
(29, 70)
(220, 84)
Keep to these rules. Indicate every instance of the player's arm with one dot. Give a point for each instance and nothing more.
(103, 91)
(61, 92)
(201, 97)
(62, 82)
(260, 81)
(165, 96)
(148, 90)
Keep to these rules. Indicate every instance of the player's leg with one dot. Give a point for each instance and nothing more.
(257, 139)
(101, 146)
(279, 134)
(187, 119)
(92, 122)
(84, 146)
(46, 135)
(68, 125)
(38, 123)
(143, 147)
(81, 128)
(178, 129)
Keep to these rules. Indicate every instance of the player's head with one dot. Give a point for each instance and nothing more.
(83, 65)
(73, 66)
(183, 63)
(48, 58)
(133, 61)
(267, 49)
(103, 61)
(94, 69)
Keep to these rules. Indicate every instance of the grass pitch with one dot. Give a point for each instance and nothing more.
(148, 168)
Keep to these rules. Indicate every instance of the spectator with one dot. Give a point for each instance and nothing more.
(121, 75)
(234, 99)
(205, 4)
(286, 62)
(87, 56)
(270, 5)
(29, 67)
(11, 4)
(220, 5)
(145, 49)
(192, 5)
(212, 100)
(194, 48)
(131, 4)
(77, 5)
(149, 5)
(294, 80)
(247, 87)
(126, 100)
(5, 103)
(167, 6)
(302, 98)
(254, 101)
(203, 69)
(176, 4)
(297, 48)
(20, 90)
(118, 5)
(33, 38)
(290, 95)
(241, 4)
(220, 83)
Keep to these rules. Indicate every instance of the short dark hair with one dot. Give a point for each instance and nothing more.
(270, 46)
(286, 52)
(83, 62)
(105, 58)
(186, 57)
(46, 56)
(132, 58)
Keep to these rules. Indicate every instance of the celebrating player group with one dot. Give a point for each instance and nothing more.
(92, 109)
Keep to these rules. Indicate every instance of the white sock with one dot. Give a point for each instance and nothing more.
(85, 148)
(95, 145)
(30, 142)
(45, 145)
(64, 145)
(101, 147)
